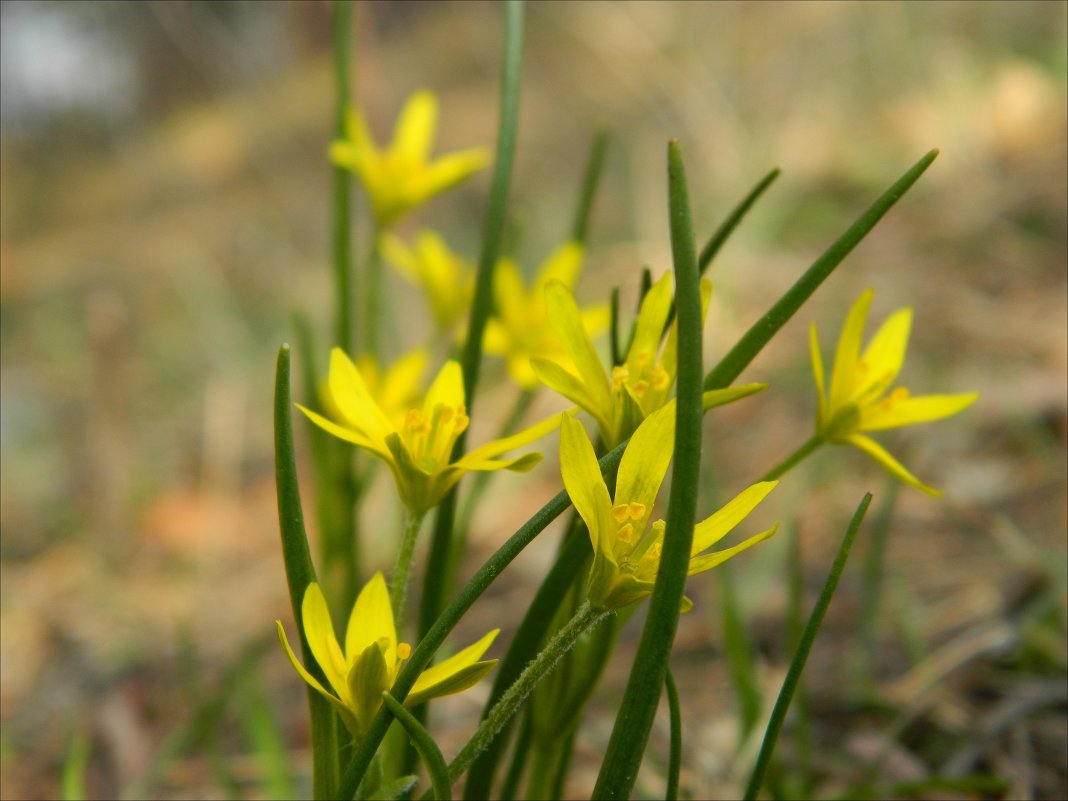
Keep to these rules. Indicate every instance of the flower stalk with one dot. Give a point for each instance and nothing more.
(398, 588)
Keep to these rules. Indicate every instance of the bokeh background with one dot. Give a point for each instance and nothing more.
(165, 211)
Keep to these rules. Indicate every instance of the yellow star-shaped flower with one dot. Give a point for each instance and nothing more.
(859, 397)
(418, 449)
(520, 331)
(402, 176)
(447, 280)
(626, 548)
(358, 675)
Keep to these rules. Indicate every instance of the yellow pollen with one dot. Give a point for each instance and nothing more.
(403, 650)
(621, 512)
(636, 510)
(415, 422)
(643, 357)
(640, 387)
(619, 377)
(625, 533)
(462, 421)
(447, 415)
(899, 394)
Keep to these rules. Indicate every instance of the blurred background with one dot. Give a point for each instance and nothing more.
(165, 211)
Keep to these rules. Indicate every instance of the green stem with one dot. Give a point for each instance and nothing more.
(342, 181)
(373, 298)
(425, 745)
(482, 304)
(797, 664)
(398, 589)
(520, 752)
(585, 619)
(794, 458)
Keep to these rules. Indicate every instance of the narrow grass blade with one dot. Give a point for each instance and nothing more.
(797, 664)
(425, 745)
(590, 180)
(675, 755)
(300, 572)
(871, 588)
(635, 719)
(754, 340)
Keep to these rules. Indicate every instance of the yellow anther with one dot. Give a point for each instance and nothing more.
(619, 377)
(643, 357)
(640, 387)
(403, 650)
(625, 533)
(621, 512)
(446, 414)
(636, 510)
(415, 422)
(899, 394)
(462, 421)
(862, 366)
(660, 378)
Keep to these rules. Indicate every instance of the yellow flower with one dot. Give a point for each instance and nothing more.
(401, 176)
(626, 549)
(639, 386)
(520, 331)
(418, 448)
(396, 390)
(372, 657)
(447, 280)
(857, 399)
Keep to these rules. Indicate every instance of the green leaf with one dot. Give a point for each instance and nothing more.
(590, 180)
(797, 663)
(635, 719)
(72, 785)
(300, 572)
(675, 755)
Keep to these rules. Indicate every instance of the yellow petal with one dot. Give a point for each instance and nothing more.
(845, 375)
(347, 434)
(712, 529)
(517, 440)
(452, 684)
(562, 265)
(886, 352)
(570, 386)
(650, 326)
(883, 457)
(397, 253)
(400, 385)
(817, 370)
(319, 632)
(583, 481)
(447, 389)
(345, 713)
(510, 293)
(699, 564)
(645, 462)
(354, 400)
(454, 664)
(371, 619)
(359, 134)
(416, 126)
(564, 316)
(911, 411)
(447, 171)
